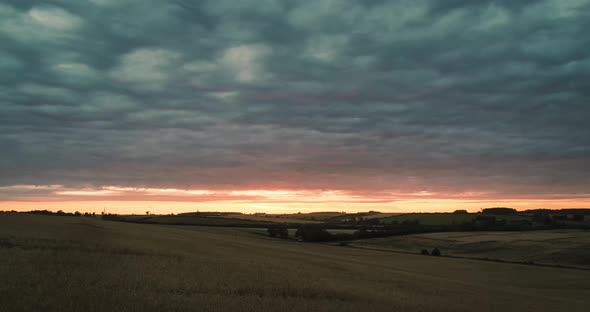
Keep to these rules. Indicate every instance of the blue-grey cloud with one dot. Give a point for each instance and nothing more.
(374, 95)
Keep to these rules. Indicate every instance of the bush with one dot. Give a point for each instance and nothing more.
(313, 234)
(280, 231)
(283, 232)
(424, 252)
(435, 252)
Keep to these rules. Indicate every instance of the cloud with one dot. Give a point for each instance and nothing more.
(149, 68)
(38, 24)
(244, 62)
(55, 18)
(407, 97)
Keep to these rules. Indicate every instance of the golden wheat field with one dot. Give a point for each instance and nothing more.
(85, 264)
(550, 247)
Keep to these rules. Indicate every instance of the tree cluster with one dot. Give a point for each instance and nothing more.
(313, 234)
(278, 231)
(499, 210)
(59, 213)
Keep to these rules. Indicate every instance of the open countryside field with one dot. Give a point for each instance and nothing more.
(230, 219)
(312, 217)
(431, 218)
(85, 264)
(226, 220)
(554, 247)
(275, 218)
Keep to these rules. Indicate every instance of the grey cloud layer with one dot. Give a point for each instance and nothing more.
(376, 95)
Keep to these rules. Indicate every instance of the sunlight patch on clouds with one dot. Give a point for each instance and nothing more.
(302, 196)
(423, 193)
(75, 69)
(245, 62)
(494, 17)
(224, 95)
(564, 9)
(146, 67)
(157, 191)
(55, 18)
(266, 200)
(87, 193)
(326, 48)
(39, 25)
(32, 187)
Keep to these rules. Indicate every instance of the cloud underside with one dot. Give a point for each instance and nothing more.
(374, 97)
(61, 193)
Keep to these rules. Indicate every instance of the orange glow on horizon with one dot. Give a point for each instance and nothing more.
(118, 199)
(167, 207)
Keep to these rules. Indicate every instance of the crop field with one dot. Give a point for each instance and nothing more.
(86, 264)
(227, 220)
(555, 247)
(431, 218)
(273, 218)
(314, 216)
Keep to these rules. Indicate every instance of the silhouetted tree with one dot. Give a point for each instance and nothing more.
(281, 231)
(313, 234)
(498, 210)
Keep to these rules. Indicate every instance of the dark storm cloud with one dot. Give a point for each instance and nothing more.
(373, 95)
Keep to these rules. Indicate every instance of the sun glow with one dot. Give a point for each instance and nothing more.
(123, 199)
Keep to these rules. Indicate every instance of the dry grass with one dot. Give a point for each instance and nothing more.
(555, 247)
(82, 264)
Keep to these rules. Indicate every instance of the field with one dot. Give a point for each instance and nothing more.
(226, 220)
(85, 264)
(431, 218)
(273, 218)
(555, 247)
(230, 219)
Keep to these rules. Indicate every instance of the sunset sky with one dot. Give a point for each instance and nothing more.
(286, 106)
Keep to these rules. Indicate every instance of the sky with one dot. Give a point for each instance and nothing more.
(285, 106)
